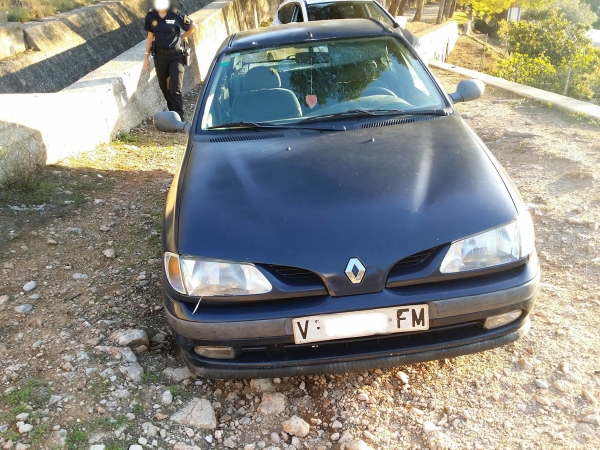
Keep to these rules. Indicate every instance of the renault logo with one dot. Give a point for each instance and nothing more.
(355, 271)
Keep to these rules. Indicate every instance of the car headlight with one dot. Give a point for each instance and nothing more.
(203, 277)
(501, 245)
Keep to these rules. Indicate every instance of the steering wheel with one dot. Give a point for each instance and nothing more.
(377, 90)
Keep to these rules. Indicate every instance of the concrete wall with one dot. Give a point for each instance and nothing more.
(69, 45)
(437, 42)
(12, 39)
(118, 95)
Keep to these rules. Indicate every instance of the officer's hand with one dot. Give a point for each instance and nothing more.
(146, 64)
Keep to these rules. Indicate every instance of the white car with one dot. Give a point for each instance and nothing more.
(291, 11)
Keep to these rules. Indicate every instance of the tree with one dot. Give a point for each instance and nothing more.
(440, 14)
(403, 5)
(553, 54)
(575, 11)
(419, 11)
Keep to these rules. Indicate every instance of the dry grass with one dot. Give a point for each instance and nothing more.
(25, 10)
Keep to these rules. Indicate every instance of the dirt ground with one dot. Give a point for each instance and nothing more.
(92, 252)
(473, 52)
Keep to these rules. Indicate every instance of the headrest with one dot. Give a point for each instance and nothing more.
(261, 77)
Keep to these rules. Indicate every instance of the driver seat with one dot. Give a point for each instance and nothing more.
(264, 99)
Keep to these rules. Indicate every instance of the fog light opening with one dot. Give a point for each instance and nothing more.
(215, 352)
(501, 319)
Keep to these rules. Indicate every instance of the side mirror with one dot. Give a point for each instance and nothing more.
(468, 90)
(170, 122)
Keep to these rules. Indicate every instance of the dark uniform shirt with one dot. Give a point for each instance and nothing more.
(166, 30)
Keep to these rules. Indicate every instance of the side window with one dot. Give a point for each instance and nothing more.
(377, 14)
(285, 14)
(299, 16)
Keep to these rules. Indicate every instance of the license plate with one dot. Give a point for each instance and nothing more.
(372, 322)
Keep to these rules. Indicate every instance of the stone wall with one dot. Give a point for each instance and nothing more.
(69, 45)
(437, 42)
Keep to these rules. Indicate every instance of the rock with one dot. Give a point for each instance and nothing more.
(133, 371)
(104, 228)
(592, 418)
(23, 309)
(585, 430)
(336, 424)
(403, 377)
(542, 400)
(589, 396)
(74, 231)
(167, 398)
(562, 404)
(178, 374)
(275, 437)
(158, 338)
(272, 403)
(575, 220)
(430, 427)
(356, 445)
(21, 446)
(29, 286)
(262, 385)
(79, 276)
(229, 443)
(296, 426)
(197, 413)
(251, 446)
(123, 353)
(184, 446)
(22, 416)
(440, 441)
(525, 364)
(51, 242)
(109, 252)
(346, 436)
(24, 427)
(97, 447)
(136, 447)
(564, 367)
(334, 437)
(58, 439)
(4, 299)
(542, 384)
(126, 338)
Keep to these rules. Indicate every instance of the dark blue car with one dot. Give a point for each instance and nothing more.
(334, 212)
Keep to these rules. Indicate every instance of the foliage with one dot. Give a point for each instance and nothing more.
(76, 439)
(25, 10)
(552, 54)
(23, 185)
(578, 12)
(487, 8)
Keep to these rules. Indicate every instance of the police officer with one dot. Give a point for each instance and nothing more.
(164, 25)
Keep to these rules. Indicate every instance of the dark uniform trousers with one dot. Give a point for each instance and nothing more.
(169, 71)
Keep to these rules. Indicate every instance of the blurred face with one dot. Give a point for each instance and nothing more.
(162, 5)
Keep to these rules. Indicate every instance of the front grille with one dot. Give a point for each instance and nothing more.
(295, 273)
(414, 260)
(402, 121)
(247, 137)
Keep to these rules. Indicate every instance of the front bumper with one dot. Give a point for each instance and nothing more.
(263, 336)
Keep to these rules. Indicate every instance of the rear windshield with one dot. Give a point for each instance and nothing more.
(347, 10)
(286, 84)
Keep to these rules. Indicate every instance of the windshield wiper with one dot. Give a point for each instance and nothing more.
(263, 125)
(377, 112)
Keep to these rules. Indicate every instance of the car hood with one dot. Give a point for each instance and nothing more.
(316, 199)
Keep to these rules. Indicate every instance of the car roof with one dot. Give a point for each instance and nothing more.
(304, 32)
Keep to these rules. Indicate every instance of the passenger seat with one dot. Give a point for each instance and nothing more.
(264, 99)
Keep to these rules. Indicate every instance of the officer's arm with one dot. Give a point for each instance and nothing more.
(190, 31)
(149, 40)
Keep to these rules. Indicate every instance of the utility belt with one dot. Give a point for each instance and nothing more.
(183, 48)
(168, 51)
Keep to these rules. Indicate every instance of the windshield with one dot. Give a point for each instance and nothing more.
(290, 84)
